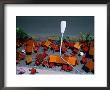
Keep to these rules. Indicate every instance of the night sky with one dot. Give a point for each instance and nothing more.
(50, 25)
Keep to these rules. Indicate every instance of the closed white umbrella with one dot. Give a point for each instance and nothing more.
(63, 27)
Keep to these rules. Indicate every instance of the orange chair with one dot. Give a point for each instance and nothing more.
(90, 65)
(91, 51)
(47, 43)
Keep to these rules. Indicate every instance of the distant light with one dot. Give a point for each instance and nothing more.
(81, 53)
(23, 51)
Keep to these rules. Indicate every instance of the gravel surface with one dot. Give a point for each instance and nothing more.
(45, 70)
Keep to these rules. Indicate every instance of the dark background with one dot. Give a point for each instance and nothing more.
(50, 25)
